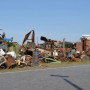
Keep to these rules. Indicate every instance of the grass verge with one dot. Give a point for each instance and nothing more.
(45, 65)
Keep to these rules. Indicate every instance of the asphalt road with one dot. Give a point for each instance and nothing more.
(69, 78)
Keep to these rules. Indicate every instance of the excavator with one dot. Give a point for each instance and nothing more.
(26, 48)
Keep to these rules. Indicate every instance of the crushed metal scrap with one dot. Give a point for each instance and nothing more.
(6, 60)
(51, 51)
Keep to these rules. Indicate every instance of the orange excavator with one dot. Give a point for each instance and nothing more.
(25, 48)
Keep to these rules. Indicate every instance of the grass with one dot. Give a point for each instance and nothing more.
(45, 65)
(64, 64)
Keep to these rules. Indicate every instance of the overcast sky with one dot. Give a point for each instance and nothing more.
(55, 19)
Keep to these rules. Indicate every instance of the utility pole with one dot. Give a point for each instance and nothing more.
(37, 41)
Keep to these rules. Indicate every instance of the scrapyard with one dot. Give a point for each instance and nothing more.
(51, 51)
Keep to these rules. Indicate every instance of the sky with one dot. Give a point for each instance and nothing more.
(54, 19)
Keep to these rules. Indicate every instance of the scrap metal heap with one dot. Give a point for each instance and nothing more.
(49, 53)
(29, 55)
(67, 54)
(6, 58)
(26, 48)
(28, 52)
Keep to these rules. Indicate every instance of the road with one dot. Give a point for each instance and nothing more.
(64, 78)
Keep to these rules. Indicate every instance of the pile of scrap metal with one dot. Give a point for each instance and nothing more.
(47, 54)
(25, 57)
(7, 60)
(27, 53)
(79, 53)
(73, 55)
(77, 56)
(25, 60)
(49, 43)
(80, 57)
